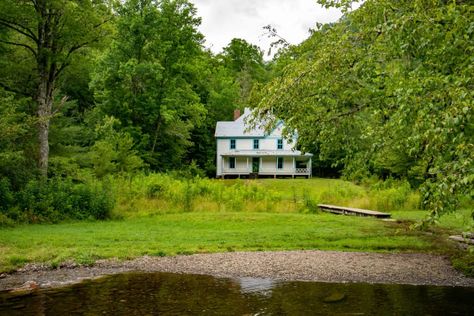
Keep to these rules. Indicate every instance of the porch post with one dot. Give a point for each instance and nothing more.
(294, 167)
(310, 168)
(275, 165)
(248, 165)
(222, 166)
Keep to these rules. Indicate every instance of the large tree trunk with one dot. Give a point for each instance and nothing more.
(46, 66)
(52, 26)
(44, 101)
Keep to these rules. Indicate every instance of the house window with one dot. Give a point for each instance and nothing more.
(280, 143)
(256, 144)
(232, 162)
(280, 162)
(232, 144)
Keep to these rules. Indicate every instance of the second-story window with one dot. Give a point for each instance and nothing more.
(280, 143)
(232, 144)
(256, 144)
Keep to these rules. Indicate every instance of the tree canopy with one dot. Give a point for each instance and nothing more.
(50, 33)
(388, 91)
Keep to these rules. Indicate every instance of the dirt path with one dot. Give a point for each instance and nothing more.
(323, 266)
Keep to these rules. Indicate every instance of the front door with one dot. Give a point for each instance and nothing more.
(255, 164)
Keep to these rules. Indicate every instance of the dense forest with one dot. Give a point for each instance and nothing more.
(94, 89)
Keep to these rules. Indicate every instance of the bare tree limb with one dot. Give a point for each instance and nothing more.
(60, 105)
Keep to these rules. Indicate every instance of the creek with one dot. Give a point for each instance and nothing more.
(183, 294)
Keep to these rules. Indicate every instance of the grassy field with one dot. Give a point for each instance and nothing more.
(187, 233)
(158, 194)
(140, 229)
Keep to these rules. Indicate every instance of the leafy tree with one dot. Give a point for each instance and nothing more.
(219, 93)
(113, 151)
(388, 90)
(246, 62)
(50, 33)
(146, 78)
(15, 145)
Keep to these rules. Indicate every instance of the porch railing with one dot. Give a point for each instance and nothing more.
(302, 170)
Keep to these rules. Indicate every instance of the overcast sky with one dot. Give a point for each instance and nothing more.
(223, 20)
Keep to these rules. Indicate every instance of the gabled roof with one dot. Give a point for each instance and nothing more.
(239, 128)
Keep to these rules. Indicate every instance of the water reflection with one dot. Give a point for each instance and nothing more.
(179, 294)
(256, 285)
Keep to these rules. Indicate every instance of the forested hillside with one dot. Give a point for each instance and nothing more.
(96, 89)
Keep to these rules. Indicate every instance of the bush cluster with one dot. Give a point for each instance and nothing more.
(54, 200)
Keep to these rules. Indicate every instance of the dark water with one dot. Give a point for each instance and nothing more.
(179, 294)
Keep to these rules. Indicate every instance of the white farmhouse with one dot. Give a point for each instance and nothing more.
(250, 152)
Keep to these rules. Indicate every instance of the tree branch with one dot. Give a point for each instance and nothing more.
(69, 53)
(352, 111)
(22, 45)
(10, 89)
(35, 4)
(102, 23)
(61, 68)
(18, 28)
(60, 105)
(66, 63)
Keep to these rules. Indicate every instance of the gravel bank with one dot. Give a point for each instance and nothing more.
(322, 266)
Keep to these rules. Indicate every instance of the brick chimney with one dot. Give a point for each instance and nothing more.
(236, 114)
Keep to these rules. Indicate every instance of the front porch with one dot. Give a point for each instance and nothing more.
(266, 166)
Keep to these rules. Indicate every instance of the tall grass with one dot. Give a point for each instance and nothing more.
(151, 194)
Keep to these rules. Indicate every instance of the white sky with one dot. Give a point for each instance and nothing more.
(223, 20)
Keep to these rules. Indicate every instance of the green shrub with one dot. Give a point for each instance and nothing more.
(310, 204)
(5, 221)
(6, 195)
(59, 199)
(464, 261)
(391, 195)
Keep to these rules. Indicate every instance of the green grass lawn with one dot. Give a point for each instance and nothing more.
(187, 233)
(235, 215)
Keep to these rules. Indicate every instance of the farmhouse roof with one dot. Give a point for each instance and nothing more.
(239, 127)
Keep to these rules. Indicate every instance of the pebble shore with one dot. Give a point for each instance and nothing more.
(319, 266)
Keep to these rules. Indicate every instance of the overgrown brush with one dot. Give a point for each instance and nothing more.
(157, 193)
(55, 200)
(164, 193)
(392, 195)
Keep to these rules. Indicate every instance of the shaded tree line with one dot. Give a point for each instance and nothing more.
(93, 88)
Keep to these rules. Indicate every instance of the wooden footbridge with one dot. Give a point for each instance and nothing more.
(352, 211)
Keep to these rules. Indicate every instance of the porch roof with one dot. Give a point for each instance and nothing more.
(266, 153)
